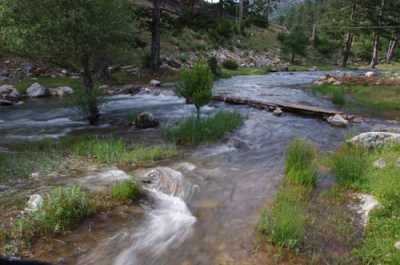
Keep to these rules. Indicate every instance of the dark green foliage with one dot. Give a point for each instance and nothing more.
(300, 163)
(224, 31)
(230, 64)
(294, 43)
(193, 131)
(196, 85)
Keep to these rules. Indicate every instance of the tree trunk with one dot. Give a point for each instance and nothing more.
(347, 48)
(391, 50)
(313, 38)
(221, 8)
(375, 50)
(267, 12)
(292, 58)
(349, 37)
(155, 37)
(240, 12)
(91, 100)
(198, 113)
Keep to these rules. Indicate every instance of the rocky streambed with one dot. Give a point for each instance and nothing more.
(204, 206)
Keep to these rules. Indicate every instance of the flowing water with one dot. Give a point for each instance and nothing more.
(204, 213)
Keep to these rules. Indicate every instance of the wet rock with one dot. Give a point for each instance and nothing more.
(371, 74)
(61, 91)
(155, 83)
(100, 180)
(4, 102)
(313, 69)
(34, 203)
(166, 180)
(375, 139)
(146, 120)
(186, 166)
(338, 121)
(380, 163)
(3, 188)
(37, 90)
(278, 112)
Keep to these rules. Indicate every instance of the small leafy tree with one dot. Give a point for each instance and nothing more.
(196, 86)
(74, 32)
(294, 43)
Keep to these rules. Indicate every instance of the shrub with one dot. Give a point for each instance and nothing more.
(125, 190)
(223, 31)
(196, 86)
(300, 163)
(193, 131)
(86, 99)
(214, 67)
(285, 223)
(230, 65)
(349, 165)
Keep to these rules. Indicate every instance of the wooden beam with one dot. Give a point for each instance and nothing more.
(287, 107)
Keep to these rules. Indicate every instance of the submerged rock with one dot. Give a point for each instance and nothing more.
(37, 90)
(338, 121)
(146, 120)
(375, 139)
(34, 203)
(277, 111)
(100, 180)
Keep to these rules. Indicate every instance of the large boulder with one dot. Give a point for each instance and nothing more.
(371, 74)
(37, 90)
(376, 139)
(61, 91)
(146, 120)
(338, 121)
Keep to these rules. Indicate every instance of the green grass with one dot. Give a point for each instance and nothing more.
(300, 165)
(49, 82)
(377, 100)
(193, 132)
(354, 168)
(62, 209)
(349, 164)
(284, 224)
(41, 157)
(125, 190)
(112, 150)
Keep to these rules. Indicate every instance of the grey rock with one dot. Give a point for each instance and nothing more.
(34, 203)
(155, 83)
(37, 90)
(397, 245)
(61, 91)
(338, 121)
(375, 139)
(146, 120)
(278, 112)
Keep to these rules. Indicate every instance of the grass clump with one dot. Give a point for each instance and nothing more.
(193, 131)
(62, 209)
(337, 94)
(125, 190)
(350, 165)
(284, 224)
(112, 150)
(300, 163)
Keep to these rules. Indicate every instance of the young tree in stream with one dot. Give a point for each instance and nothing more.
(74, 32)
(196, 86)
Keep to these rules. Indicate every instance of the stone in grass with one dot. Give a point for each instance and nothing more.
(146, 120)
(338, 121)
(380, 163)
(367, 204)
(397, 245)
(34, 203)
